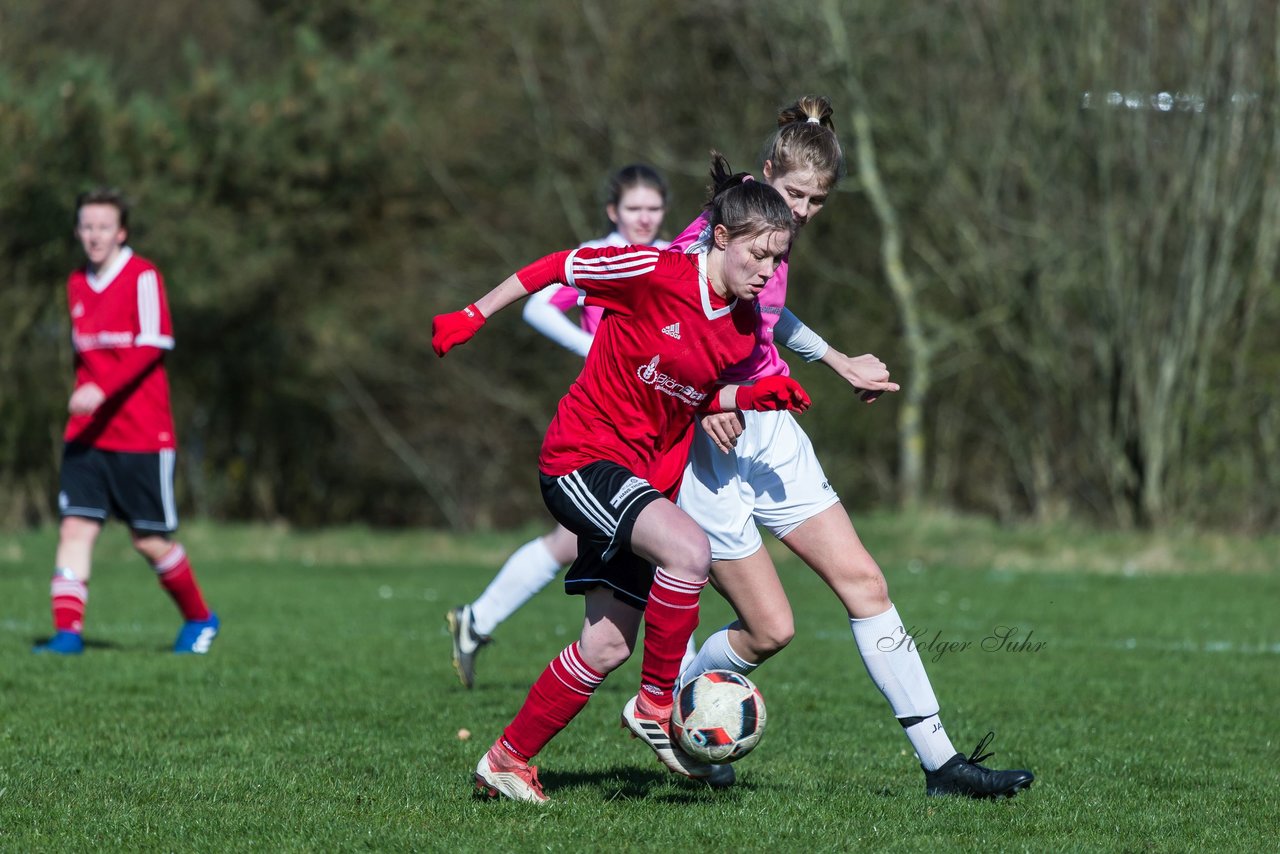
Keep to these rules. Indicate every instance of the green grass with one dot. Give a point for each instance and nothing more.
(327, 716)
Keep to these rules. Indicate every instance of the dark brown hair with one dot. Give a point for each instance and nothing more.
(103, 196)
(745, 207)
(635, 175)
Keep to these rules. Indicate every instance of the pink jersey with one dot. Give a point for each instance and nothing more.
(566, 298)
(656, 358)
(764, 361)
(120, 330)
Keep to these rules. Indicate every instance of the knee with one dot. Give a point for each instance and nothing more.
(689, 558)
(867, 589)
(605, 656)
(75, 529)
(151, 546)
(770, 637)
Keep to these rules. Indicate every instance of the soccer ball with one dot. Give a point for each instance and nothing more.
(718, 717)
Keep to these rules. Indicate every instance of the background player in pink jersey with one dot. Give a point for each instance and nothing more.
(636, 201)
(674, 323)
(768, 475)
(119, 442)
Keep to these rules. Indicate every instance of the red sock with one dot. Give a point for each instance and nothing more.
(560, 693)
(669, 619)
(69, 595)
(175, 575)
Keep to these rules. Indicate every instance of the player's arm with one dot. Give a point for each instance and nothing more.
(866, 373)
(603, 273)
(459, 327)
(154, 336)
(767, 394)
(544, 314)
(133, 364)
(722, 413)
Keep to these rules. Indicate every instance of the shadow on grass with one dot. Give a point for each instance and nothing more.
(99, 645)
(630, 783)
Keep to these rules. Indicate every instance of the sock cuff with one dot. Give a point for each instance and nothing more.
(878, 633)
(889, 618)
(662, 578)
(574, 673)
(68, 587)
(171, 559)
(739, 661)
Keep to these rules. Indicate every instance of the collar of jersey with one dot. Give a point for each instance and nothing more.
(704, 287)
(100, 281)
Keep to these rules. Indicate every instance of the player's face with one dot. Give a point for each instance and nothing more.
(638, 214)
(803, 189)
(749, 262)
(100, 234)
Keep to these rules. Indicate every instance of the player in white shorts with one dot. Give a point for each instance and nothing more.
(760, 469)
(772, 479)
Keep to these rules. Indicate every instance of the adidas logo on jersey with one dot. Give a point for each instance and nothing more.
(673, 330)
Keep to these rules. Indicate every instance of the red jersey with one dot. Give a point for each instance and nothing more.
(663, 342)
(120, 329)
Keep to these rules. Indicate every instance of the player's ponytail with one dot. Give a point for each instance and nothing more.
(806, 139)
(723, 177)
(745, 207)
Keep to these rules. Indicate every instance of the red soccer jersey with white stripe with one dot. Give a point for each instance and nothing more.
(663, 342)
(120, 329)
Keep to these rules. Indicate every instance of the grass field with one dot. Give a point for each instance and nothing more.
(327, 716)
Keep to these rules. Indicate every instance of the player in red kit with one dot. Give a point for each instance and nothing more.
(673, 323)
(119, 446)
(635, 206)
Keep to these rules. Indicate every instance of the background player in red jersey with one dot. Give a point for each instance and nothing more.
(674, 323)
(119, 442)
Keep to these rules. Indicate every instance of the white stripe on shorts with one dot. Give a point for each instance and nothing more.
(166, 489)
(581, 497)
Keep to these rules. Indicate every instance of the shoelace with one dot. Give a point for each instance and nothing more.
(533, 779)
(978, 756)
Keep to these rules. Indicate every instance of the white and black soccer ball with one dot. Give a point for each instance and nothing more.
(718, 717)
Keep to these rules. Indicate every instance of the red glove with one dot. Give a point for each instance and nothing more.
(771, 394)
(458, 327)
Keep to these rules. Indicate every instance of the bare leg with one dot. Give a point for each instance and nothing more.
(831, 547)
(609, 630)
(765, 624)
(76, 538)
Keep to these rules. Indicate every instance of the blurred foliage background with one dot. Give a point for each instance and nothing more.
(1059, 228)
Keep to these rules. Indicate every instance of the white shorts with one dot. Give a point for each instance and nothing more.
(772, 478)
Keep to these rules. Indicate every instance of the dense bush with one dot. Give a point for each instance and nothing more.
(1074, 289)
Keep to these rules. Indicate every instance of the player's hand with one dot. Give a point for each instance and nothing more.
(866, 373)
(86, 399)
(458, 327)
(723, 428)
(773, 393)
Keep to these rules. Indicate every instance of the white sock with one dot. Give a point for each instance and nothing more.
(531, 568)
(716, 654)
(894, 665)
(690, 653)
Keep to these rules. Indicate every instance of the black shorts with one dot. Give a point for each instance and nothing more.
(600, 502)
(135, 488)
